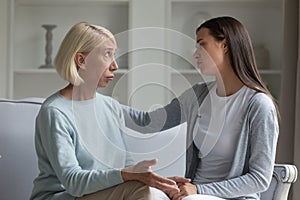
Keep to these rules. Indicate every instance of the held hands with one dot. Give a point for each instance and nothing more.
(142, 172)
(185, 187)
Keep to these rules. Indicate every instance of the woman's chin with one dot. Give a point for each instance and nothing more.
(205, 71)
(202, 69)
(102, 85)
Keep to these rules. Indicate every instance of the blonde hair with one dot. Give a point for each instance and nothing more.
(82, 37)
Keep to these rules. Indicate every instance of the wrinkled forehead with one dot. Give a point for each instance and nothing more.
(108, 37)
(107, 43)
(110, 43)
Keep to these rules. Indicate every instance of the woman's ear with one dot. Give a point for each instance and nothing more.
(79, 60)
(225, 47)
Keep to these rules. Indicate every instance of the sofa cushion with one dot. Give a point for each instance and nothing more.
(168, 146)
(18, 161)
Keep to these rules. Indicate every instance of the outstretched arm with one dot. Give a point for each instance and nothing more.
(155, 121)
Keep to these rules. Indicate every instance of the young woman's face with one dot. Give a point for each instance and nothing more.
(100, 64)
(209, 53)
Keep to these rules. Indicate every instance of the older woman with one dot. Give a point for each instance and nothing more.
(79, 142)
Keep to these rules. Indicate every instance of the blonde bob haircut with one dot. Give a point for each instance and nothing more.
(83, 38)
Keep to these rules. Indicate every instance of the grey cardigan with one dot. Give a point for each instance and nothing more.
(254, 158)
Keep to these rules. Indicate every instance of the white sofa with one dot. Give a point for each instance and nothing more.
(18, 162)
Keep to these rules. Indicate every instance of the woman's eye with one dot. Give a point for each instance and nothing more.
(108, 54)
(199, 45)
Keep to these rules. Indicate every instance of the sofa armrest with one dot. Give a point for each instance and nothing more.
(283, 176)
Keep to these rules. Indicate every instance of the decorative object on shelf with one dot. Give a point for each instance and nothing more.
(262, 56)
(48, 49)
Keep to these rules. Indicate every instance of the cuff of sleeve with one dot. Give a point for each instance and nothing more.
(117, 176)
(199, 190)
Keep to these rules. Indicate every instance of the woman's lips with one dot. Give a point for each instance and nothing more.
(110, 78)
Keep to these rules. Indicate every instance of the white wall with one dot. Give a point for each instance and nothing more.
(148, 76)
(3, 49)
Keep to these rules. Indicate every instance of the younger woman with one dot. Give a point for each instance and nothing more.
(232, 123)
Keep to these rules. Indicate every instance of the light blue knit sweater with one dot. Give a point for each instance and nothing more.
(67, 168)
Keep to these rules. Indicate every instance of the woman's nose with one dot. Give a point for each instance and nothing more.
(196, 54)
(113, 66)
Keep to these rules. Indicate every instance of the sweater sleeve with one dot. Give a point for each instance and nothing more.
(149, 122)
(262, 140)
(57, 141)
(169, 116)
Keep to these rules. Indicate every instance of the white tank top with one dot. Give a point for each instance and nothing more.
(216, 133)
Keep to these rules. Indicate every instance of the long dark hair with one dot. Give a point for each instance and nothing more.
(240, 51)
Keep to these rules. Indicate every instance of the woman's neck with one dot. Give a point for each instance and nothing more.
(228, 83)
(78, 93)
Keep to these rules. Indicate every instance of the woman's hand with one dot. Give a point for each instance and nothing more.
(186, 189)
(180, 180)
(142, 172)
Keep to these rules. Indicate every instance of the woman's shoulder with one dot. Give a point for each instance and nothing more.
(51, 100)
(261, 103)
(261, 99)
(54, 100)
(55, 104)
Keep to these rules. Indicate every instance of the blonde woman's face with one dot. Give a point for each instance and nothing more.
(100, 64)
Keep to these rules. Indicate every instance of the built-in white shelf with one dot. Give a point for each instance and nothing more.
(270, 72)
(259, 3)
(27, 41)
(67, 2)
(53, 71)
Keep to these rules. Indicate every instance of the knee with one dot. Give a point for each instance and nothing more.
(139, 190)
(136, 185)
